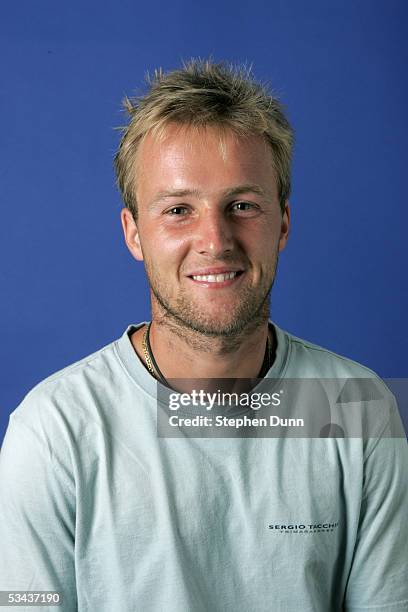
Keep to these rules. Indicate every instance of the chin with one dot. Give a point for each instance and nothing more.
(215, 326)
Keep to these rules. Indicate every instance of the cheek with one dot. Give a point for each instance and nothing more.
(166, 246)
(262, 246)
(173, 245)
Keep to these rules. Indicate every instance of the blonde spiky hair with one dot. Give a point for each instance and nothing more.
(200, 94)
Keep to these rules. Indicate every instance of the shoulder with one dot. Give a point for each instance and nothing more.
(70, 416)
(352, 388)
(57, 403)
(315, 360)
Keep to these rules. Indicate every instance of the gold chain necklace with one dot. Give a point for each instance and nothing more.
(146, 353)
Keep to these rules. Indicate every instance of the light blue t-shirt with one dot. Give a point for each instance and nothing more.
(95, 505)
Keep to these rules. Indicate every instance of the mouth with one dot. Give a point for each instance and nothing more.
(224, 279)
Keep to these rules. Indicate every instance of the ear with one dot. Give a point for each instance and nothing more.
(285, 227)
(131, 233)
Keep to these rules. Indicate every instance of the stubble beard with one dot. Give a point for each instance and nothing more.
(182, 316)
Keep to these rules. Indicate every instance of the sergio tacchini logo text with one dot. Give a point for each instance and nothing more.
(301, 528)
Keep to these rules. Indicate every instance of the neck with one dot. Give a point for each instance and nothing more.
(178, 349)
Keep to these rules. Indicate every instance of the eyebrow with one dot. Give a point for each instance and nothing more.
(231, 191)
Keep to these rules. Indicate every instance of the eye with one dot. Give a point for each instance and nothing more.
(177, 211)
(243, 206)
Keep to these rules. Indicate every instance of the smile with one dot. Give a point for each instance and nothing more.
(215, 278)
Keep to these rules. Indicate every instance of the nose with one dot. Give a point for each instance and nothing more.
(214, 235)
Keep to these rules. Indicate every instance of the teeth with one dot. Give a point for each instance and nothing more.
(215, 278)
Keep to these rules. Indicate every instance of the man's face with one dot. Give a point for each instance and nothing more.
(209, 227)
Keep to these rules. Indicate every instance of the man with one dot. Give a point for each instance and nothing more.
(101, 504)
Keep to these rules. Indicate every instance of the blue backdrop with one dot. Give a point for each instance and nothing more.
(69, 285)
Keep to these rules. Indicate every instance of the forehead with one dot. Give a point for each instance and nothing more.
(205, 158)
